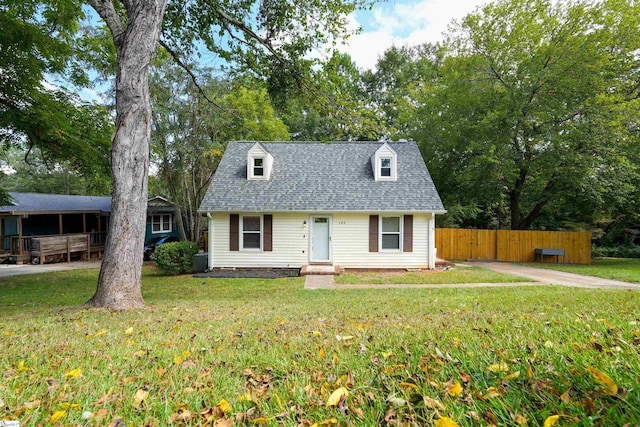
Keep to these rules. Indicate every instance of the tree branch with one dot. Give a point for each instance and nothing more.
(108, 13)
(185, 67)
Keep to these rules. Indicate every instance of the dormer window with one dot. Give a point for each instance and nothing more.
(385, 167)
(258, 166)
(259, 163)
(385, 164)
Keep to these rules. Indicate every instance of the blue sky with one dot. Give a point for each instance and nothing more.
(400, 22)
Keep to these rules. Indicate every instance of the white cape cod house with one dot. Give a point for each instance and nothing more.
(346, 204)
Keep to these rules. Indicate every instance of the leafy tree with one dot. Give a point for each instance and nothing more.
(190, 133)
(37, 41)
(331, 105)
(41, 175)
(534, 112)
(245, 33)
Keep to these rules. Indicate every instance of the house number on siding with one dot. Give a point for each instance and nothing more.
(342, 222)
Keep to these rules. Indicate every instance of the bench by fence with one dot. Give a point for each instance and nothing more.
(548, 251)
(65, 244)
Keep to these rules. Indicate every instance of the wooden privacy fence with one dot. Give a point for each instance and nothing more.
(512, 245)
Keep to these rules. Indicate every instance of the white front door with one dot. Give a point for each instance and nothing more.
(320, 239)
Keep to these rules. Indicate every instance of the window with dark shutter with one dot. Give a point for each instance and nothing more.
(268, 233)
(373, 233)
(407, 245)
(234, 225)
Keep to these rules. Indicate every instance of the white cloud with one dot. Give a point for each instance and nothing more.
(397, 23)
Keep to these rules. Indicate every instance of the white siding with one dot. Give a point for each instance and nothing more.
(351, 244)
(349, 240)
(290, 244)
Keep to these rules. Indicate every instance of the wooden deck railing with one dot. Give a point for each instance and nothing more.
(96, 241)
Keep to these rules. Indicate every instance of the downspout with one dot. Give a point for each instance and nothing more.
(210, 242)
(432, 241)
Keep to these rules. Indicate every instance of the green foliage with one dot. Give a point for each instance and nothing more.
(175, 257)
(38, 44)
(615, 251)
(532, 112)
(192, 126)
(39, 175)
(331, 104)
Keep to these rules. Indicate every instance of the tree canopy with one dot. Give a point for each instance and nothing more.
(534, 112)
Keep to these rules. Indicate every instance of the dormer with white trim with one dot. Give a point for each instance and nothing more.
(385, 164)
(259, 163)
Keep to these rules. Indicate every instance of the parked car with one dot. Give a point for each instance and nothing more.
(150, 247)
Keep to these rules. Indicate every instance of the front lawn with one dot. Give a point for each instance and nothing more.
(625, 269)
(438, 277)
(268, 352)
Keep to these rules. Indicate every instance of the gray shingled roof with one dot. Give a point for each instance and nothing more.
(55, 203)
(321, 177)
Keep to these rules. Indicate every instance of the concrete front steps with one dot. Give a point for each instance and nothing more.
(320, 270)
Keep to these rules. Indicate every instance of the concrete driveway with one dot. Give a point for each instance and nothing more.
(552, 277)
(9, 270)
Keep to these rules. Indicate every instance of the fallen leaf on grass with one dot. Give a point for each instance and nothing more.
(57, 416)
(35, 404)
(551, 421)
(499, 367)
(262, 420)
(453, 388)
(522, 420)
(445, 422)
(432, 403)
(491, 392)
(74, 373)
(66, 406)
(610, 387)
(129, 331)
(408, 385)
(329, 422)
(224, 406)
(335, 397)
(140, 396)
(512, 376)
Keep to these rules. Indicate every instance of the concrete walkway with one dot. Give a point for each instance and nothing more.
(553, 277)
(9, 270)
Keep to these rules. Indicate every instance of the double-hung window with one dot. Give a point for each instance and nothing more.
(385, 167)
(251, 233)
(258, 166)
(161, 223)
(391, 233)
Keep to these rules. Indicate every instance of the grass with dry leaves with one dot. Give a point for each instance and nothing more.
(267, 352)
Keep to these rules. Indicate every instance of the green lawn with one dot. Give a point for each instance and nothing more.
(454, 275)
(625, 269)
(253, 352)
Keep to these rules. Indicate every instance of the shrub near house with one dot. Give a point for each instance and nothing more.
(175, 257)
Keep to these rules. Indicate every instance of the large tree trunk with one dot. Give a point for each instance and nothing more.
(119, 280)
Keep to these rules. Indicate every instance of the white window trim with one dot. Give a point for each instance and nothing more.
(154, 216)
(242, 248)
(390, 158)
(252, 174)
(400, 232)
